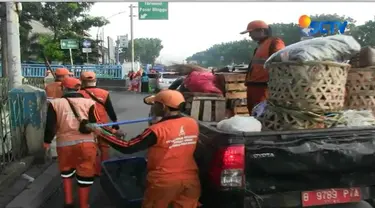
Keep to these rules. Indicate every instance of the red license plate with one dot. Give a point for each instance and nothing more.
(330, 196)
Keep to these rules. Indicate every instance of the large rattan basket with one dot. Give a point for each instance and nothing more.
(313, 86)
(275, 120)
(361, 89)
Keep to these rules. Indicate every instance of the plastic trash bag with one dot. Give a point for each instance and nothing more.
(240, 123)
(357, 118)
(201, 81)
(337, 48)
(259, 109)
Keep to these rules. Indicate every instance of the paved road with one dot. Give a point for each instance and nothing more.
(127, 106)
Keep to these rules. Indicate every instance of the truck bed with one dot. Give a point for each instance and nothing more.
(289, 161)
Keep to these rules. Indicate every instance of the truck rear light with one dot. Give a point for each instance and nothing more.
(227, 168)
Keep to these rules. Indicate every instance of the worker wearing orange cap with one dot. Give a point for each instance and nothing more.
(76, 149)
(54, 90)
(257, 76)
(172, 172)
(104, 109)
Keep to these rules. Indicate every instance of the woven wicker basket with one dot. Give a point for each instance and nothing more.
(361, 89)
(312, 86)
(275, 120)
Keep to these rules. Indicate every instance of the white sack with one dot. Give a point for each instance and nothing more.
(240, 123)
(337, 48)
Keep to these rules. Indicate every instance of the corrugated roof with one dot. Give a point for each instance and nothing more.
(39, 28)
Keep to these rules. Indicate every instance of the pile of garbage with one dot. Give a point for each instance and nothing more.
(198, 79)
(307, 84)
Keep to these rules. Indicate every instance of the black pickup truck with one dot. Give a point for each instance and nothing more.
(306, 168)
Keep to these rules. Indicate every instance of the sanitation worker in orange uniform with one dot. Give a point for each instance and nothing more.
(257, 77)
(76, 150)
(172, 177)
(54, 89)
(103, 107)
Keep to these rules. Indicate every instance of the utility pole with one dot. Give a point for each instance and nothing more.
(99, 50)
(132, 34)
(118, 51)
(4, 41)
(102, 45)
(14, 51)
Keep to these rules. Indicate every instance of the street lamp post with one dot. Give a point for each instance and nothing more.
(102, 30)
(132, 35)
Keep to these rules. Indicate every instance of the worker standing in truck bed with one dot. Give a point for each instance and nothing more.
(257, 76)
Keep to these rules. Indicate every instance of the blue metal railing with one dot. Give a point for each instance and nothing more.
(102, 71)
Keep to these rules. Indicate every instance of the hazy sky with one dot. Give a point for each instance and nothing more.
(194, 27)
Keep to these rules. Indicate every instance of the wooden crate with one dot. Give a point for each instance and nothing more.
(205, 106)
(360, 89)
(233, 86)
(354, 61)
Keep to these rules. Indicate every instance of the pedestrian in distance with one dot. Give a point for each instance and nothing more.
(257, 76)
(172, 177)
(76, 145)
(144, 83)
(104, 109)
(54, 89)
(135, 82)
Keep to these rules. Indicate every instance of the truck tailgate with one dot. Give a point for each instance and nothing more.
(305, 160)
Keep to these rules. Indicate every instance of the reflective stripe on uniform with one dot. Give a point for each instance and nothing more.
(85, 182)
(65, 174)
(73, 142)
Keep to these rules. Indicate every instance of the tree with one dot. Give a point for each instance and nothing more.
(365, 34)
(29, 12)
(289, 33)
(67, 21)
(44, 46)
(225, 53)
(145, 49)
(241, 51)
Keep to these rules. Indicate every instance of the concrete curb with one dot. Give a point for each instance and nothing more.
(38, 192)
(14, 170)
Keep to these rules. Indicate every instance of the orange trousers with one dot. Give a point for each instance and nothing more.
(255, 95)
(180, 194)
(80, 157)
(102, 156)
(77, 161)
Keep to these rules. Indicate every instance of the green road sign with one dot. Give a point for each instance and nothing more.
(69, 44)
(153, 10)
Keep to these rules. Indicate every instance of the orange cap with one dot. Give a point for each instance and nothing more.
(253, 25)
(88, 75)
(62, 72)
(170, 98)
(71, 83)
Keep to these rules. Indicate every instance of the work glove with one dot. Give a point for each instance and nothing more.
(120, 134)
(116, 127)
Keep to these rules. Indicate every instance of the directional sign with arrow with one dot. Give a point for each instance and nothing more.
(69, 44)
(153, 10)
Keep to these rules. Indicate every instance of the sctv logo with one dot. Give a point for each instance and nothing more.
(310, 28)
